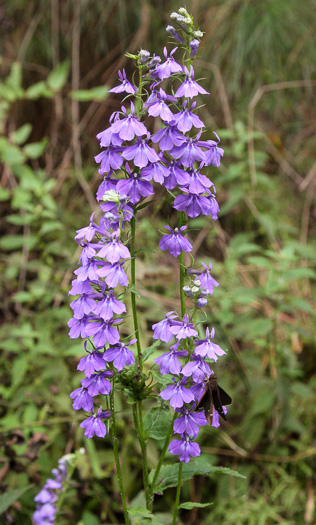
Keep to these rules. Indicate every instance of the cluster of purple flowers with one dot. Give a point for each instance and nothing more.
(47, 498)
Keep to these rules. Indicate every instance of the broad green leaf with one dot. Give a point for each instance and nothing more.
(10, 154)
(157, 423)
(35, 149)
(22, 134)
(168, 475)
(162, 380)
(11, 242)
(142, 516)
(8, 498)
(97, 93)
(150, 350)
(39, 90)
(58, 77)
(192, 504)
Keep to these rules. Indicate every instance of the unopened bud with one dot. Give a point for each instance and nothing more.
(143, 56)
(201, 303)
(174, 33)
(198, 34)
(153, 62)
(194, 45)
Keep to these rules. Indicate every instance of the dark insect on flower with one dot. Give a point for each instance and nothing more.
(213, 397)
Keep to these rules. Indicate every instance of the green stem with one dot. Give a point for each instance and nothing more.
(176, 505)
(117, 457)
(138, 422)
(162, 456)
(133, 294)
(63, 493)
(182, 269)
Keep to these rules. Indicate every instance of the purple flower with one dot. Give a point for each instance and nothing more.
(174, 33)
(196, 182)
(45, 515)
(177, 393)
(157, 107)
(175, 242)
(120, 355)
(98, 384)
(205, 347)
(188, 152)
(113, 274)
(87, 271)
(135, 187)
(114, 250)
(156, 171)
(194, 45)
(125, 86)
(140, 153)
(162, 329)
(214, 153)
(78, 327)
(169, 362)
(130, 126)
(82, 400)
(88, 232)
(109, 158)
(185, 120)
(108, 306)
(91, 363)
(168, 137)
(104, 332)
(185, 448)
(193, 204)
(143, 56)
(215, 420)
(175, 175)
(84, 305)
(107, 184)
(93, 424)
(190, 88)
(189, 422)
(183, 329)
(107, 137)
(169, 67)
(196, 368)
(207, 281)
(45, 496)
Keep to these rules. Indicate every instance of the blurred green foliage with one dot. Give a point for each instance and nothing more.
(262, 249)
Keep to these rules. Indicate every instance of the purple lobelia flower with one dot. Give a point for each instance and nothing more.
(135, 187)
(214, 153)
(177, 393)
(194, 45)
(175, 242)
(98, 384)
(113, 274)
(207, 348)
(44, 514)
(158, 107)
(185, 120)
(190, 88)
(87, 271)
(108, 306)
(125, 86)
(140, 153)
(207, 281)
(120, 355)
(188, 152)
(196, 182)
(82, 399)
(162, 329)
(168, 137)
(109, 158)
(185, 448)
(193, 204)
(84, 305)
(88, 232)
(189, 422)
(143, 56)
(93, 424)
(197, 368)
(91, 363)
(169, 362)
(174, 33)
(169, 67)
(215, 419)
(78, 327)
(106, 185)
(114, 250)
(104, 332)
(130, 126)
(156, 171)
(183, 329)
(175, 175)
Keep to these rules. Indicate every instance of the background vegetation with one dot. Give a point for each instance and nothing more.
(258, 59)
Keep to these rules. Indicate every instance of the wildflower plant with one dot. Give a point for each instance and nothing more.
(131, 162)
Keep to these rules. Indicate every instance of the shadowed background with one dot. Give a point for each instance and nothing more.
(58, 59)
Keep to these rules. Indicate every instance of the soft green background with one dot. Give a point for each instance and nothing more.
(258, 61)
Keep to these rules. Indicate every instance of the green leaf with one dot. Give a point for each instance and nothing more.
(157, 423)
(58, 77)
(142, 516)
(188, 505)
(4, 194)
(8, 498)
(162, 380)
(11, 242)
(150, 350)
(168, 475)
(97, 93)
(22, 134)
(35, 149)
(39, 90)
(10, 154)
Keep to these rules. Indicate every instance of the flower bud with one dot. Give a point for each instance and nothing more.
(111, 196)
(198, 34)
(201, 303)
(174, 33)
(187, 291)
(195, 289)
(143, 56)
(153, 62)
(194, 45)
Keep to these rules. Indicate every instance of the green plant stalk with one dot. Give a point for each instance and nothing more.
(162, 456)
(176, 504)
(138, 422)
(65, 488)
(133, 294)
(117, 457)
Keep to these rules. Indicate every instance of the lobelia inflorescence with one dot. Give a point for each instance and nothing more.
(131, 161)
